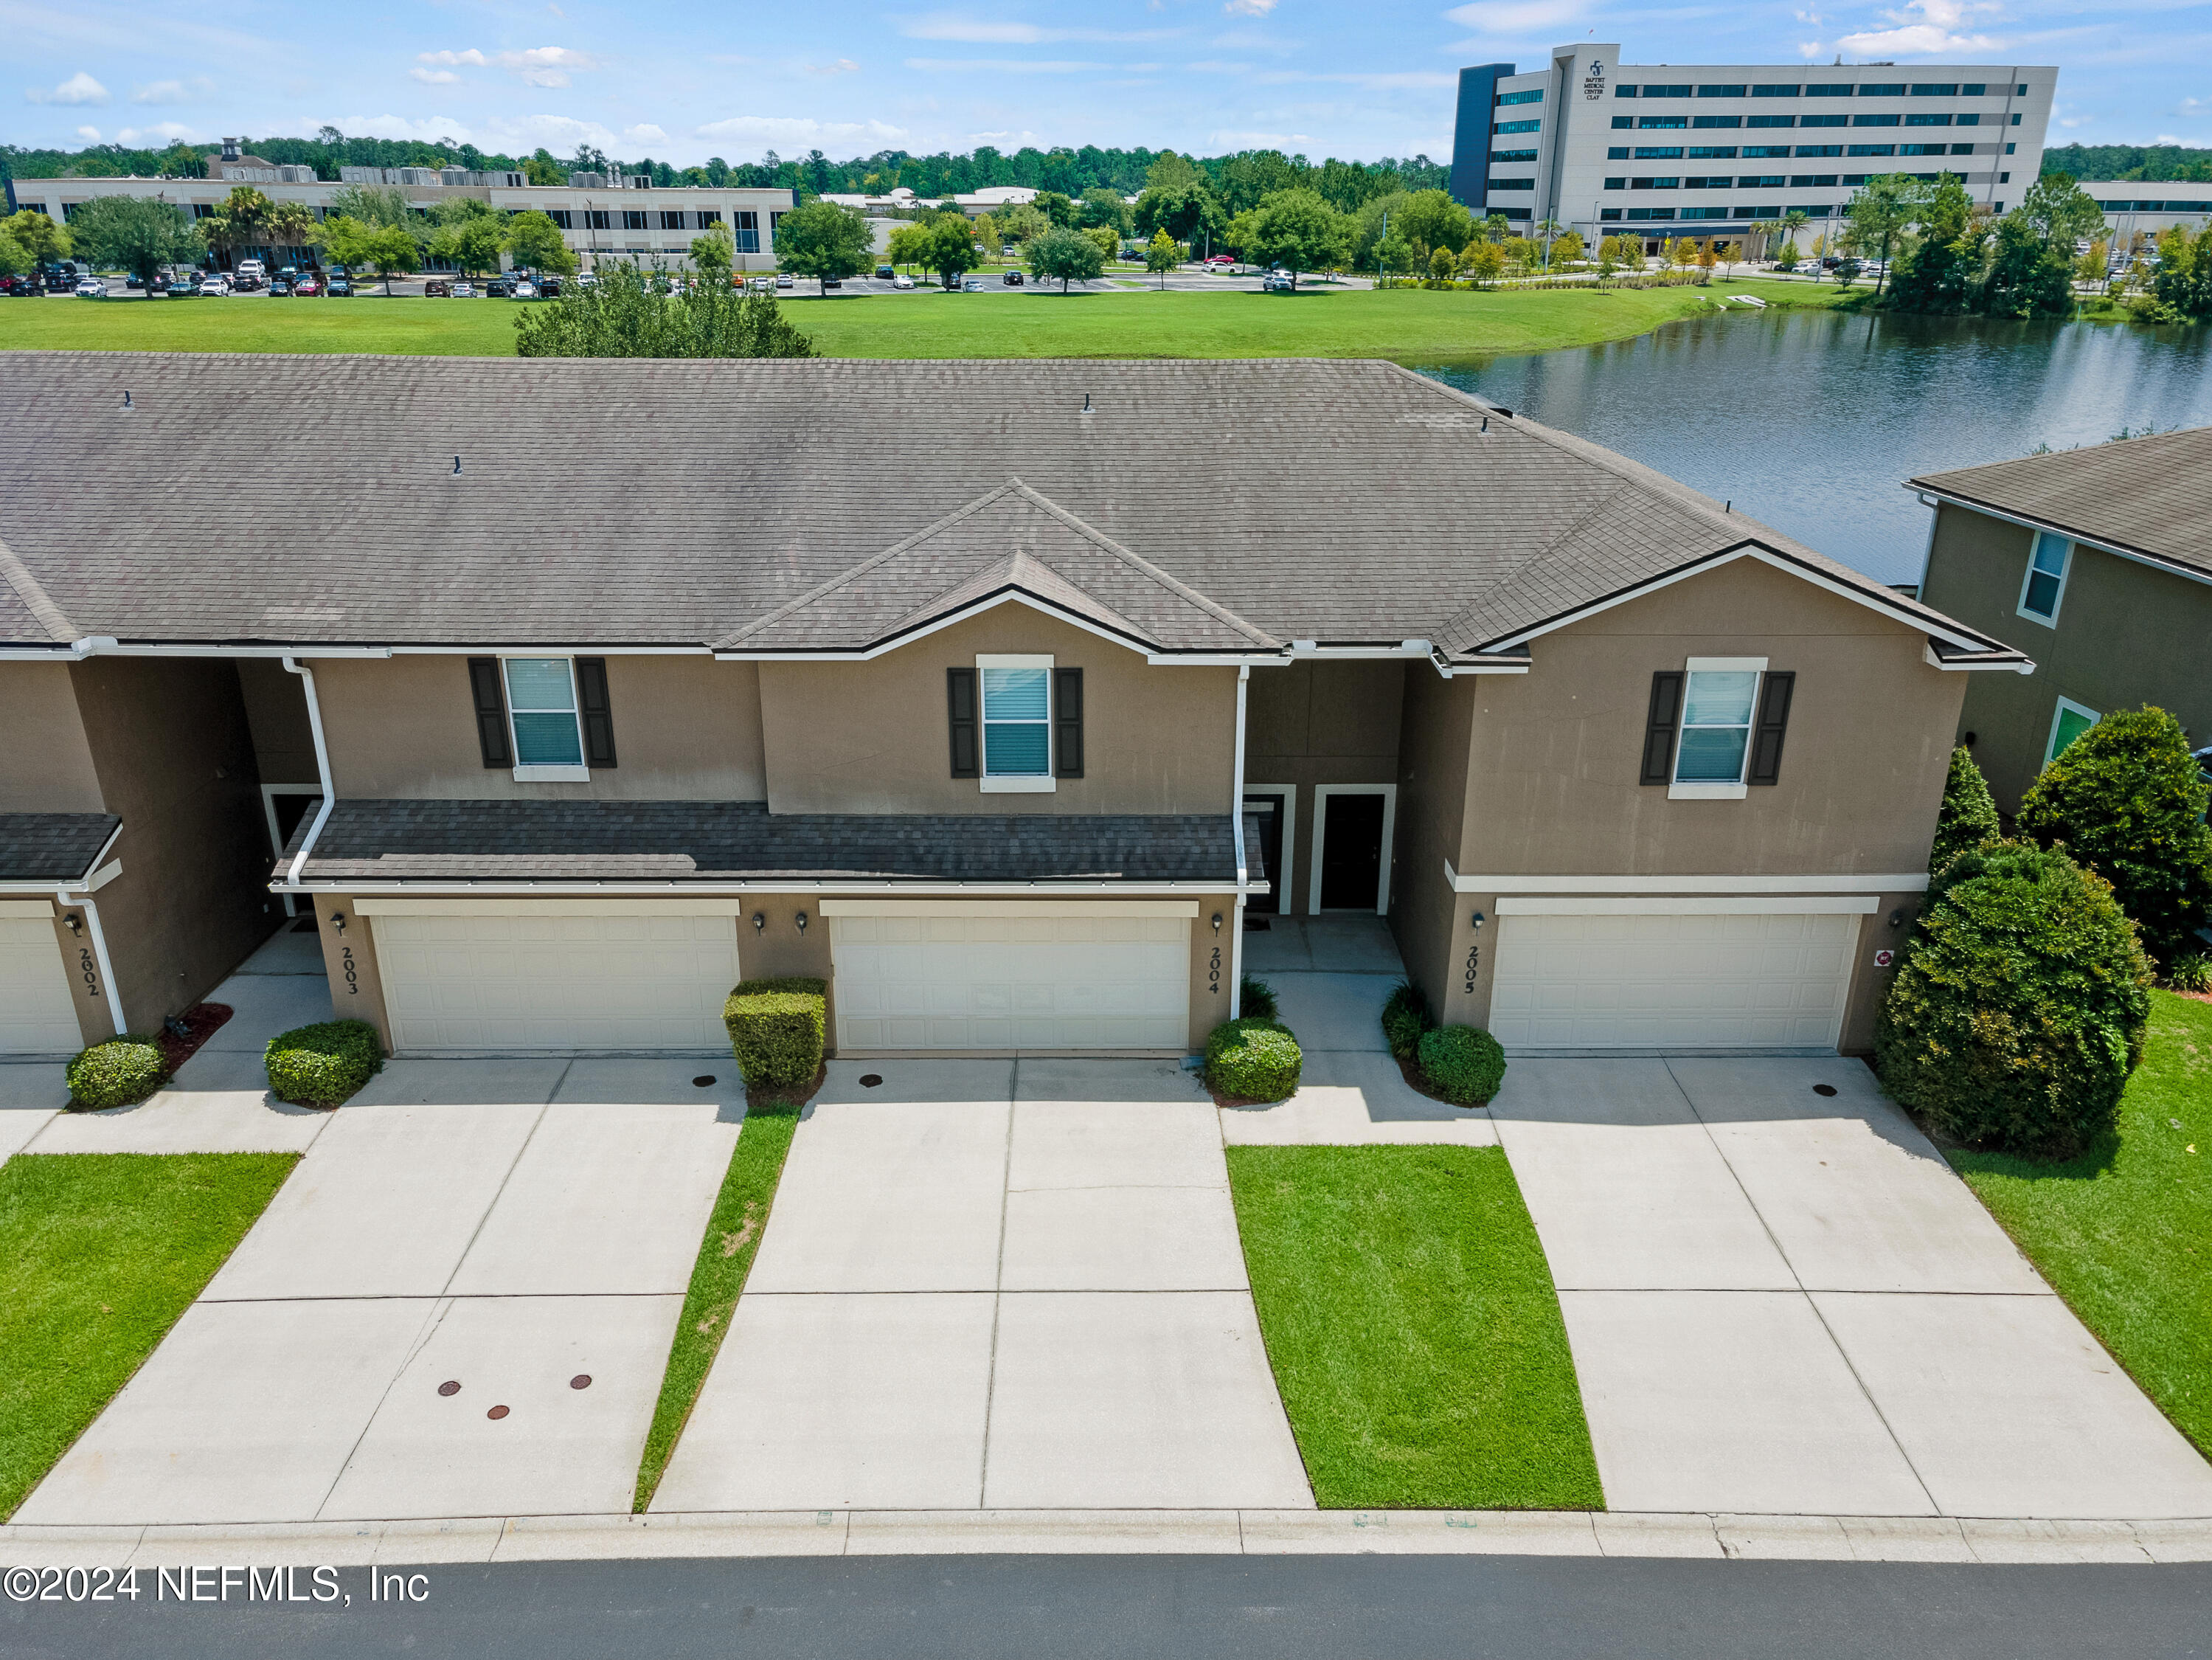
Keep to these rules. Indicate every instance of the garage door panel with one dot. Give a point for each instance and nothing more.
(1655, 980)
(38, 1005)
(1001, 982)
(550, 980)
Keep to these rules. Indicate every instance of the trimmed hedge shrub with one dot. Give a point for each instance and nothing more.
(1968, 818)
(1406, 1019)
(2191, 971)
(777, 1029)
(1255, 1000)
(2019, 1010)
(323, 1065)
(1253, 1060)
(1463, 1064)
(2126, 800)
(116, 1073)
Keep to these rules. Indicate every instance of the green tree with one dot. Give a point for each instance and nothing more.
(1431, 219)
(1057, 208)
(1185, 208)
(535, 242)
(823, 241)
(1161, 255)
(239, 220)
(1065, 256)
(1108, 239)
(1567, 249)
(2024, 275)
(1023, 224)
(1937, 273)
(293, 225)
(42, 240)
(372, 204)
(1299, 231)
(468, 233)
(987, 232)
(541, 168)
(1485, 262)
(1881, 213)
(629, 313)
(392, 251)
(135, 233)
(1102, 208)
(909, 244)
(1968, 817)
(2126, 800)
(951, 249)
(346, 240)
(714, 253)
(1444, 265)
(13, 262)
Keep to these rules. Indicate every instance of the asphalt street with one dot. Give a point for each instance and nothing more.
(983, 1607)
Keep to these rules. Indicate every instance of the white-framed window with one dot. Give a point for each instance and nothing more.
(541, 705)
(2045, 586)
(2068, 720)
(1719, 702)
(1014, 693)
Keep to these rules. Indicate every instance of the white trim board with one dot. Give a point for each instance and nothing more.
(1732, 905)
(1901, 881)
(1321, 794)
(370, 905)
(27, 910)
(1280, 880)
(709, 892)
(1185, 908)
(2057, 714)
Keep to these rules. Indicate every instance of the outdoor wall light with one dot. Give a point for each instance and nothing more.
(73, 922)
(1477, 921)
(337, 920)
(1217, 921)
(801, 919)
(760, 920)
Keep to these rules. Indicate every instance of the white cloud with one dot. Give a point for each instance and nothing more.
(1003, 139)
(842, 66)
(535, 66)
(172, 92)
(430, 129)
(79, 88)
(2163, 138)
(1003, 65)
(790, 132)
(952, 26)
(1249, 7)
(1516, 18)
(1924, 28)
(90, 134)
(645, 133)
(433, 78)
(1236, 140)
(2193, 106)
(162, 132)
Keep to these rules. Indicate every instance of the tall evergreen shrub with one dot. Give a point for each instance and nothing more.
(1968, 817)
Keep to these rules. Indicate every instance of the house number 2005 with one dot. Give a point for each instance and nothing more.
(1213, 971)
(1474, 967)
(352, 973)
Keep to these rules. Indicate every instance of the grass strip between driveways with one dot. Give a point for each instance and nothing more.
(100, 1255)
(1414, 1329)
(2123, 1233)
(726, 1255)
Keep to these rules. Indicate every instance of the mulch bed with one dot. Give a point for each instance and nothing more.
(200, 1022)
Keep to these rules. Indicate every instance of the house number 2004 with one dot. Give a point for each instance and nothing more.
(1213, 971)
(352, 973)
(1474, 967)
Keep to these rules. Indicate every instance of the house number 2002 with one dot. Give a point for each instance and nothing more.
(1474, 967)
(1213, 971)
(352, 972)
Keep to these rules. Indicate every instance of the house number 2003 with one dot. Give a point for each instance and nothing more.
(352, 972)
(1474, 967)
(1213, 971)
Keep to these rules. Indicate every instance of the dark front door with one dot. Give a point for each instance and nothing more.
(1263, 835)
(1351, 852)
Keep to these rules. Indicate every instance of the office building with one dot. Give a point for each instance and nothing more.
(2152, 206)
(600, 217)
(1603, 147)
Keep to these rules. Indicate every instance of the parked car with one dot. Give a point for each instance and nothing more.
(279, 287)
(61, 279)
(462, 288)
(254, 268)
(246, 282)
(340, 286)
(885, 272)
(91, 287)
(548, 288)
(761, 285)
(524, 290)
(1012, 279)
(214, 282)
(130, 280)
(500, 287)
(971, 285)
(1278, 282)
(437, 289)
(182, 286)
(829, 282)
(308, 287)
(588, 280)
(902, 282)
(1218, 262)
(782, 280)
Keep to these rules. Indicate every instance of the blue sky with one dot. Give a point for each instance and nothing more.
(681, 81)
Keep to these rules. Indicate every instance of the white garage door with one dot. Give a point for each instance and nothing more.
(37, 1016)
(555, 981)
(1671, 982)
(1013, 982)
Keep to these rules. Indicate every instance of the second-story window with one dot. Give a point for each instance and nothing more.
(2046, 583)
(1716, 725)
(1017, 711)
(546, 717)
(541, 700)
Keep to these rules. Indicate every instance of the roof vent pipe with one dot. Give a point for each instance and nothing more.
(1086, 409)
(126, 401)
(1486, 423)
(457, 464)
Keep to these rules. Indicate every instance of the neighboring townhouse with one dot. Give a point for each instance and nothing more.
(2099, 562)
(1005, 696)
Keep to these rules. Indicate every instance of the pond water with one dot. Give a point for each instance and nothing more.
(1813, 420)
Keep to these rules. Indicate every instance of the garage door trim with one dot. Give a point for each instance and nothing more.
(1749, 905)
(1167, 907)
(369, 906)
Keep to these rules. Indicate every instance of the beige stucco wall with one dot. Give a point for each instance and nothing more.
(686, 728)
(872, 737)
(1432, 790)
(277, 712)
(45, 761)
(2126, 635)
(1314, 723)
(1556, 753)
(170, 743)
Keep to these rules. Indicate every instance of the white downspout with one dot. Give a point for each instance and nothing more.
(322, 768)
(1236, 823)
(100, 956)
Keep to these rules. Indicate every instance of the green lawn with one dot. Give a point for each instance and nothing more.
(1414, 1329)
(100, 1254)
(1409, 326)
(726, 1254)
(2124, 1233)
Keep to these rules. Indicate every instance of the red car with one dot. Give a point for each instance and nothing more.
(306, 288)
(1219, 261)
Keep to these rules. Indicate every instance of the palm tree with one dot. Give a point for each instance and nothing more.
(1792, 222)
(292, 225)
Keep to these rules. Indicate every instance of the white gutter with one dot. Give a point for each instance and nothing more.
(322, 768)
(881, 887)
(1243, 875)
(99, 955)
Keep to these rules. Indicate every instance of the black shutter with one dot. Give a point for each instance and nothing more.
(1067, 723)
(1659, 731)
(1774, 692)
(491, 711)
(960, 709)
(599, 715)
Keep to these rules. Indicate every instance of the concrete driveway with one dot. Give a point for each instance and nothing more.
(509, 1227)
(1781, 1299)
(991, 1284)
